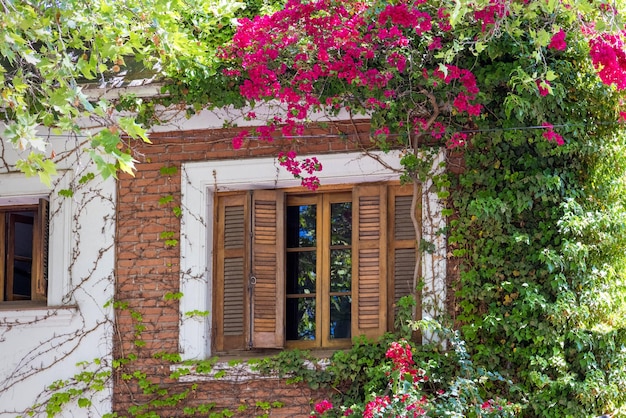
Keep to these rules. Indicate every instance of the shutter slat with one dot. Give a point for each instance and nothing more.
(404, 265)
(403, 226)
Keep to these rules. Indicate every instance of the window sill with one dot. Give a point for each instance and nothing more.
(35, 314)
(225, 370)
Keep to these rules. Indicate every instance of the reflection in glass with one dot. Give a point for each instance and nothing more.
(301, 272)
(301, 318)
(23, 245)
(341, 223)
(301, 226)
(340, 270)
(21, 279)
(340, 316)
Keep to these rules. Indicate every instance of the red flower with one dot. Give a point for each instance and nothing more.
(323, 406)
(609, 58)
(552, 136)
(558, 41)
(238, 140)
(457, 140)
(543, 87)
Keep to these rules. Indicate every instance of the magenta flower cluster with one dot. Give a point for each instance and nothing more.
(609, 58)
(302, 170)
(293, 55)
(288, 55)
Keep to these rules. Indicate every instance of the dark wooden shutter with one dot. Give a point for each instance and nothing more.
(268, 269)
(39, 274)
(231, 282)
(369, 269)
(403, 253)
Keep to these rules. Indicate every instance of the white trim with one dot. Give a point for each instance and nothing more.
(16, 187)
(37, 317)
(200, 180)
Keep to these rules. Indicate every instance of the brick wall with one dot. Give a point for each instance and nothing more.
(147, 269)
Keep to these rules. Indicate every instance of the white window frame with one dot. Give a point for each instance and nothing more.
(17, 189)
(201, 180)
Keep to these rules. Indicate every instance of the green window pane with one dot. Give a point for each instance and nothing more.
(341, 223)
(301, 226)
(341, 270)
(301, 272)
(300, 319)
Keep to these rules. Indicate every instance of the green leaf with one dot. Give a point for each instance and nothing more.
(83, 403)
(133, 129)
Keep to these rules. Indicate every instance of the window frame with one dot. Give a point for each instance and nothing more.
(7, 252)
(19, 190)
(323, 200)
(201, 180)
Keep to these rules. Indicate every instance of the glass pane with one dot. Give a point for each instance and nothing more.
(301, 272)
(21, 280)
(23, 234)
(301, 226)
(340, 270)
(301, 319)
(341, 223)
(340, 316)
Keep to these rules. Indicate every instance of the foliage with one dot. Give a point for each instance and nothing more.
(384, 378)
(541, 234)
(529, 93)
(52, 52)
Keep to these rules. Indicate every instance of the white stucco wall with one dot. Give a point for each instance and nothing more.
(39, 346)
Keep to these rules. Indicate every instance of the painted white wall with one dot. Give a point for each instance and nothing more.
(39, 346)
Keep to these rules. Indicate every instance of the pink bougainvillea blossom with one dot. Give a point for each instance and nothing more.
(300, 169)
(609, 58)
(550, 135)
(238, 140)
(488, 16)
(435, 44)
(383, 131)
(543, 87)
(323, 406)
(457, 139)
(558, 41)
(376, 406)
(322, 55)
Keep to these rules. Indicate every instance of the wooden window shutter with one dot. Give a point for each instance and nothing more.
(39, 273)
(230, 310)
(268, 269)
(369, 268)
(403, 252)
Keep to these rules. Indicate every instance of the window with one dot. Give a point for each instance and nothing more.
(23, 252)
(318, 268)
(310, 270)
